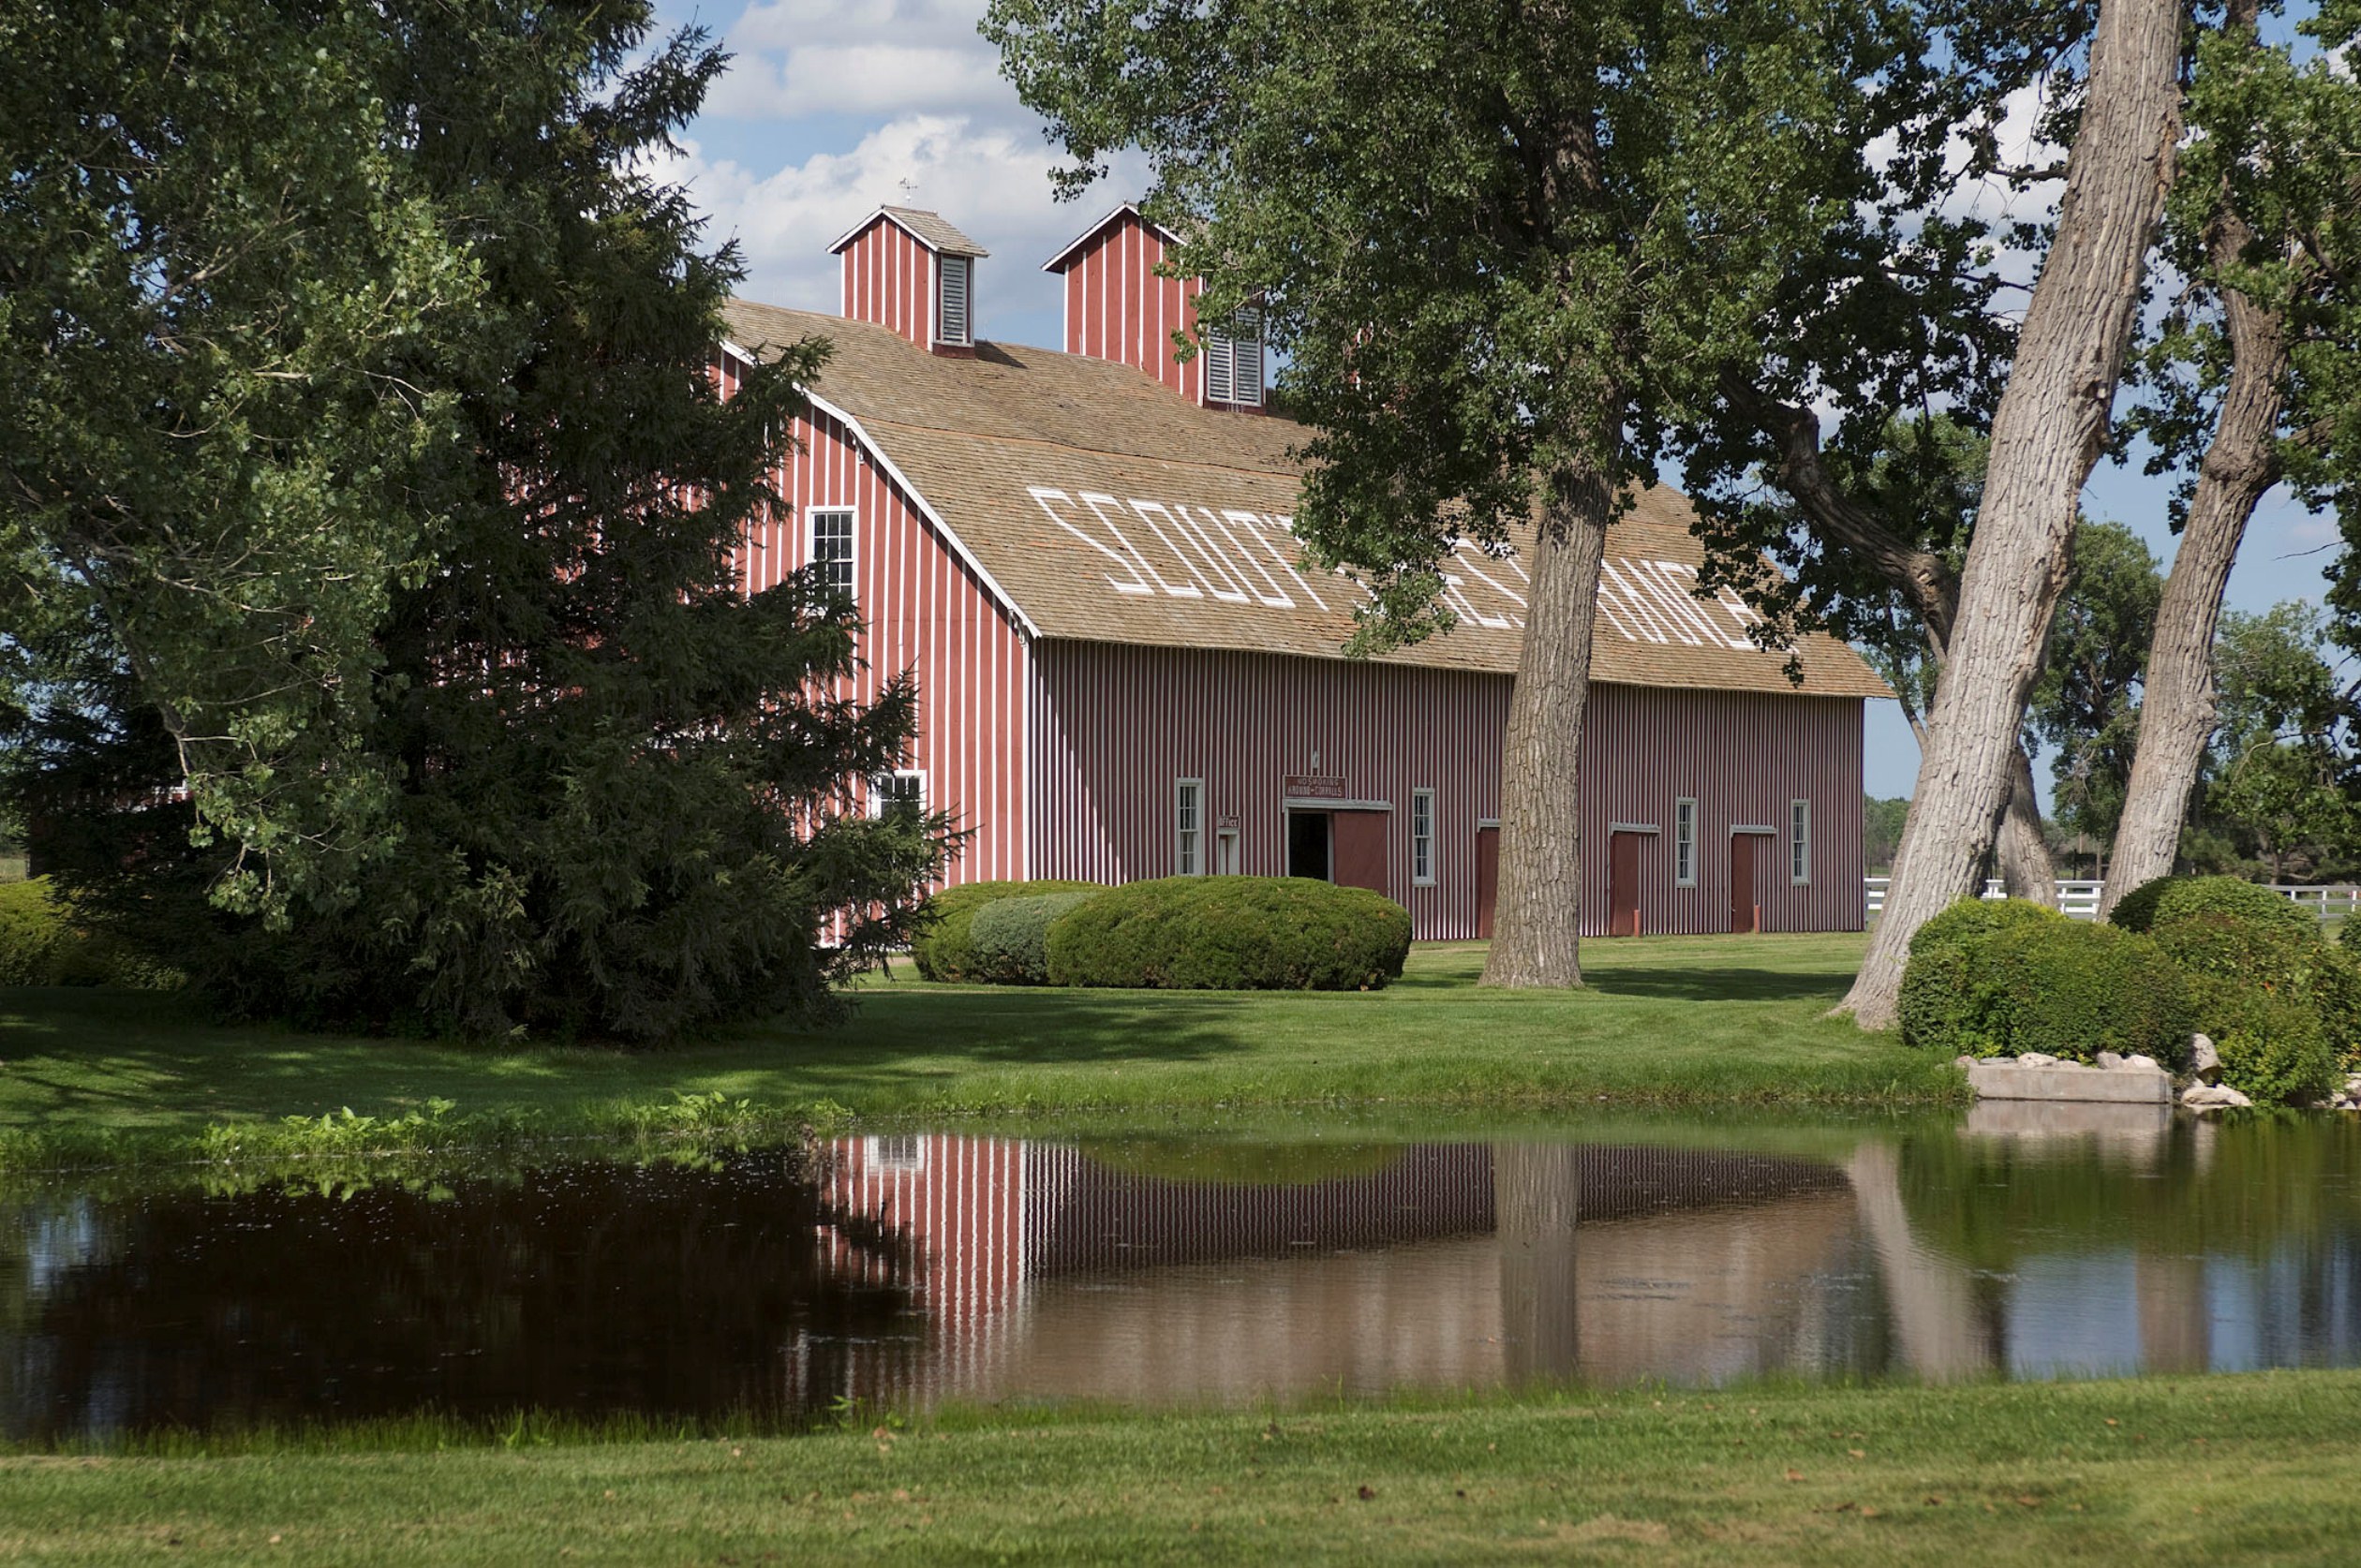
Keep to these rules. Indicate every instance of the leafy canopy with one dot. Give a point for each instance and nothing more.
(1499, 244)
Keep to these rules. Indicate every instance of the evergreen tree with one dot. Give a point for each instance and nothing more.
(580, 783)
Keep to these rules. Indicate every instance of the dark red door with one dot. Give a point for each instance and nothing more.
(1746, 913)
(1486, 879)
(1359, 849)
(1622, 884)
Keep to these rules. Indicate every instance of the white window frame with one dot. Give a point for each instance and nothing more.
(880, 799)
(1684, 841)
(851, 558)
(1423, 866)
(1230, 376)
(964, 266)
(1188, 827)
(1229, 858)
(1799, 843)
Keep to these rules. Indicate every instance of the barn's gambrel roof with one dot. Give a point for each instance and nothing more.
(1103, 508)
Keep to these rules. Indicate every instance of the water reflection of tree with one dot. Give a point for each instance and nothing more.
(594, 1290)
(2247, 1187)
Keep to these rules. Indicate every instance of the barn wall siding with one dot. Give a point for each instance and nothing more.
(924, 611)
(1115, 725)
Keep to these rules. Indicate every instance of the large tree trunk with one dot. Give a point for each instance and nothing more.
(1924, 581)
(2241, 462)
(2026, 870)
(2048, 430)
(1537, 913)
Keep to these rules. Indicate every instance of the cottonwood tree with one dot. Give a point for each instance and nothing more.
(215, 283)
(2251, 378)
(1502, 247)
(600, 791)
(2048, 429)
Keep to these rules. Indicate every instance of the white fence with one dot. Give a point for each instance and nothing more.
(2079, 900)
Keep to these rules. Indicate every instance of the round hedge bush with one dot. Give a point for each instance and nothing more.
(942, 949)
(1231, 933)
(2171, 898)
(2074, 990)
(2230, 959)
(1010, 936)
(2273, 1051)
(1935, 986)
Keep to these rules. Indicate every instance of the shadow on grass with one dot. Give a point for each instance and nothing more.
(1687, 982)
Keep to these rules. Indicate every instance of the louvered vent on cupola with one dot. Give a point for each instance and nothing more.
(1234, 360)
(910, 271)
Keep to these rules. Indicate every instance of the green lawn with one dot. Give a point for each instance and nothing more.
(2255, 1468)
(1669, 1021)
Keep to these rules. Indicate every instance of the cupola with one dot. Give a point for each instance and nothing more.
(1119, 307)
(910, 271)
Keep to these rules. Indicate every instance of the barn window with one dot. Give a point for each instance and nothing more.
(832, 547)
(1226, 856)
(953, 320)
(1800, 842)
(1188, 827)
(1685, 842)
(901, 792)
(1423, 837)
(1234, 360)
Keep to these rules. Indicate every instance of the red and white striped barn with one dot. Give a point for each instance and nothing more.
(1125, 671)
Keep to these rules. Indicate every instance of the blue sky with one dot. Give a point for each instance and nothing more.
(830, 109)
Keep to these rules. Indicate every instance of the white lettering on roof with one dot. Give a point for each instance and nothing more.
(1042, 497)
(1229, 554)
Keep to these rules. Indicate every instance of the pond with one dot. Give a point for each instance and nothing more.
(898, 1271)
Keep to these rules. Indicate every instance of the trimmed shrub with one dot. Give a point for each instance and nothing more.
(1231, 933)
(33, 930)
(2273, 1050)
(2171, 898)
(1010, 936)
(2230, 959)
(1934, 1002)
(942, 949)
(2074, 990)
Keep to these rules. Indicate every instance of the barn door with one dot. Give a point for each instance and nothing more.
(1486, 877)
(1745, 911)
(1359, 849)
(1622, 884)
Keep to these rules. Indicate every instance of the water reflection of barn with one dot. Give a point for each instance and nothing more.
(1062, 1271)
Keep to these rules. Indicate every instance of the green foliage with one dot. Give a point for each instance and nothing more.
(1499, 249)
(2232, 961)
(32, 929)
(2273, 1049)
(2169, 899)
(2072, 990)
(2085, 705)
(1011, 937)
(2276, 770)
(1882, 832)
(1937, 984)
(943, 948)
(509, 747)
(41, 943)
(1232, 934)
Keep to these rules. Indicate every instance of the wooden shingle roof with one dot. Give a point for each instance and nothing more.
(1107, 509)
(931, 229)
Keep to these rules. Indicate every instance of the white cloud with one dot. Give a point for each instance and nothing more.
(857, 78)
(794, 58)
(993, 183)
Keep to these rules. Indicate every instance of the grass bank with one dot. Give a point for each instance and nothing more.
(2196, 1470)
(1665, 1022)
